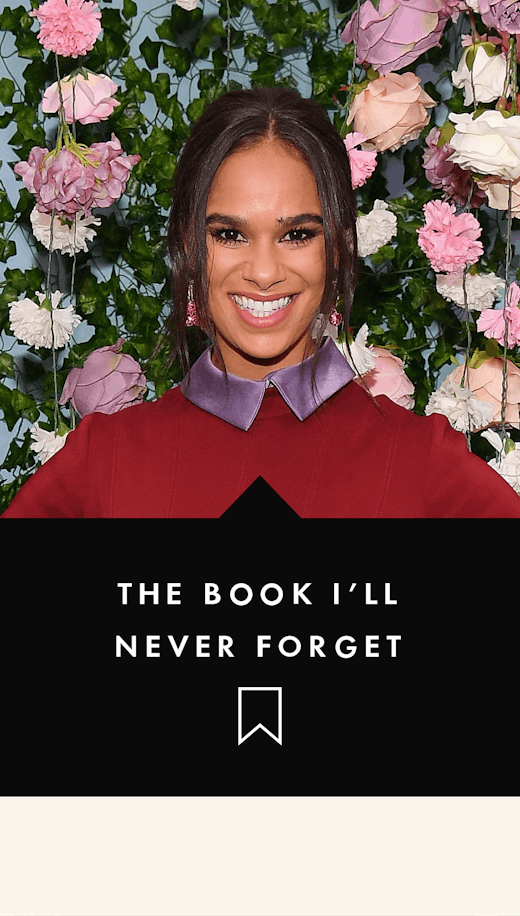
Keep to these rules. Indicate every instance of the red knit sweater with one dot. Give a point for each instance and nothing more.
(171, 459)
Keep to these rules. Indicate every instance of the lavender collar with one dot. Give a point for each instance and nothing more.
(238, 400)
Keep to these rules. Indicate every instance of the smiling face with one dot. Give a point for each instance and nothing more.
(266, 258)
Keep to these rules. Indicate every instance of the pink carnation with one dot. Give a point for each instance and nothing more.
(441, 173)
(397, 33)
(63, 183)
(68, 27)
(493, 321)
(362, 163)
(449, 241)
(108, 381)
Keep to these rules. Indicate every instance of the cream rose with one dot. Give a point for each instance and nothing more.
(487, 75)
(489, 144)
(390, 111)
(497, 193)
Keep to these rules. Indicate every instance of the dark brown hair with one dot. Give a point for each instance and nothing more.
(238, 119)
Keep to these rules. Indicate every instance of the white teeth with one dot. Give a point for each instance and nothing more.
(261, 309)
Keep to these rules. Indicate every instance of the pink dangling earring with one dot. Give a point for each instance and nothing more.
(335, 318)
(191, 311)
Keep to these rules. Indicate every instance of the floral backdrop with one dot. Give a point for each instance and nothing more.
(425, 90)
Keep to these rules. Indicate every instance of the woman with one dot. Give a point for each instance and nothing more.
(262, 245)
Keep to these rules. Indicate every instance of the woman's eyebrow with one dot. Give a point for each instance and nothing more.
(283, 221)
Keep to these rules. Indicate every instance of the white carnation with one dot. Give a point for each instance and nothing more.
(46, 444)
(463, 410)
(481, 289)
(34, 323)
(363, 360)
(69, 234)
(508, 466)
(375, 229)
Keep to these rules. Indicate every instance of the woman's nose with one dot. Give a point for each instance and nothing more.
(263, 265)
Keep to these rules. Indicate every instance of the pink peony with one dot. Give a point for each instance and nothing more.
(108, 382)
(449, 241)
(390, 111)
(395, 34)
(64, 183)
(87, 99)
(68, 27)
(362, 163)
(502, 15)
(112, 170)
(58, 182)
(492, 322)
(388, 377)
(442, 173)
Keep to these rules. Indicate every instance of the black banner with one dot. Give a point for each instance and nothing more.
(225, 658)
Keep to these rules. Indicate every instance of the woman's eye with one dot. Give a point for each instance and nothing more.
(299, 236)
(227, 236)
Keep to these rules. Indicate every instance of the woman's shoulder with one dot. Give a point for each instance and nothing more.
(136, 415)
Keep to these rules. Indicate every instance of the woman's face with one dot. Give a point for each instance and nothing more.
(266, 258)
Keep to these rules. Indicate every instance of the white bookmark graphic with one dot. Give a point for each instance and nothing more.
(242, 737)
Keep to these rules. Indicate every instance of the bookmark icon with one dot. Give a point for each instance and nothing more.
(256, 703)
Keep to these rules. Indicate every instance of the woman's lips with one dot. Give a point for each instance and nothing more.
(278, 314)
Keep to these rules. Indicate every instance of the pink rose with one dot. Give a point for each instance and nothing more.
(388, 377)
(502, 15)
(108, 382)
(442, 173)
(395, 34)
(492, 322)
(449, 241)
(390, 111)
(486, 384)
(362, 163)
(85, 98)
(68, 27)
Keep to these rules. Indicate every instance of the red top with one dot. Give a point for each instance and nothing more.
(171, 459)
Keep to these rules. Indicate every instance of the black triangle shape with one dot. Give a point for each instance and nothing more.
(260, 500)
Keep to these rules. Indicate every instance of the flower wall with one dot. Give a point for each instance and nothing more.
(425, 90)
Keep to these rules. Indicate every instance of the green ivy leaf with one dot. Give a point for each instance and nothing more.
(6, 91)
(150, 51)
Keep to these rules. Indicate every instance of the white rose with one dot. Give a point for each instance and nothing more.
(487, 76)
(489, 145)
(187, 4)
(481, 289)
(376, 228)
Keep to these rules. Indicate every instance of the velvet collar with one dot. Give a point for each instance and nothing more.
(238, 400)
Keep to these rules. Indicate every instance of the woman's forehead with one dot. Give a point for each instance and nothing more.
(267, 177)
